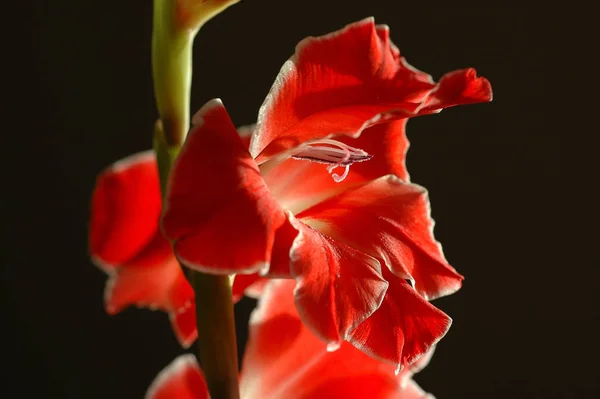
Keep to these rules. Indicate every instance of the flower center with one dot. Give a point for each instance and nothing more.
(333, 153)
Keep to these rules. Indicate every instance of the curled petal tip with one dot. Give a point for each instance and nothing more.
(198, 117)
(479, 87)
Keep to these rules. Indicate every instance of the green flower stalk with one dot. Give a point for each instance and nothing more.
(176, 23)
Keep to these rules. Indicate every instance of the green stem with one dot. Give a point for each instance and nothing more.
(172, 73)
(217, 348)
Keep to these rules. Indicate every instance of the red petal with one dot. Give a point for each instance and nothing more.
(336, 84)
(298, 185)
(408, 372)
(154, 279)
(126, 242)
(284, 240)
(404, 327)
(255, 290)
(388, 144)
(390, 220)
(218, 210)
(283, 359)
(380, 386)
(457, 88)
(244, 284)
(337, 287)
(272, 356)
(183, 310)
(344, 82)
(249, 284)
(125, 209)
(182, 379)
(145, 281)
(183, 322)
(407, 71)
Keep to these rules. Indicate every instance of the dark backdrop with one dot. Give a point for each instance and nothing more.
(510, 206)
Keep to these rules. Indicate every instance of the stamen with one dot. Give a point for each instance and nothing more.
(333, 153)
(337, 178)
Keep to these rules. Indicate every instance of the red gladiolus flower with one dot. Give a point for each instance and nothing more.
(285, 360)
(356, 244)
(125, 242)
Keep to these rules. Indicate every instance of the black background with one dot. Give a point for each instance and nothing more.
(507, 183)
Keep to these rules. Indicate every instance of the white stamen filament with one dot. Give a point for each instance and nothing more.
(333, 153)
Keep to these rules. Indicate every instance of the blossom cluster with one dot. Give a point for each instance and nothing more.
(312, 210)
